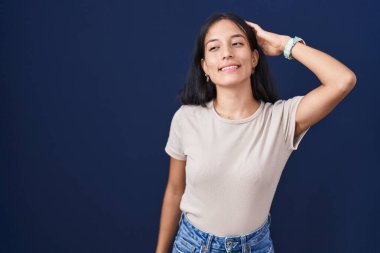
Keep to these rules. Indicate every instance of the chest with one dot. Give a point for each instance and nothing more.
(227, 154)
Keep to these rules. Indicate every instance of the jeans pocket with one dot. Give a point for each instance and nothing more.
(181, 245)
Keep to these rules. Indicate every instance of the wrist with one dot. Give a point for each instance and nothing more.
(285, 40)
(289, 46)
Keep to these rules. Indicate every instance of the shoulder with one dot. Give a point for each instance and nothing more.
(192, 110)
(281, 110)
(282, 105)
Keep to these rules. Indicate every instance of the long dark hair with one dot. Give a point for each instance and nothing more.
(197, 91)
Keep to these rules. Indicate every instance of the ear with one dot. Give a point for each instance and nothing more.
(255, 58)
(204, 66)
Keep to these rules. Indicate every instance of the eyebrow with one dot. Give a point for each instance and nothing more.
(232, 36)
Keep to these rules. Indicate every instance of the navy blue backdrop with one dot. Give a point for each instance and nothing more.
(88, 89)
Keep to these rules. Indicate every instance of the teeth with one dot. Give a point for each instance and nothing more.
(229, 67)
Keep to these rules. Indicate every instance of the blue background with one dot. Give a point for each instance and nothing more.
(87, 93)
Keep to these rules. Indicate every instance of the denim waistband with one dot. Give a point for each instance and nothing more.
(210, 241)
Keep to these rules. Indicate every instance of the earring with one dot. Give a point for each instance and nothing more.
(207, 78)
(253, 71)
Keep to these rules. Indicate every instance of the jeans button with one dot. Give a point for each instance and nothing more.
(203, 247)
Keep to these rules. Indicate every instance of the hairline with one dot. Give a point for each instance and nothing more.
(233, 21)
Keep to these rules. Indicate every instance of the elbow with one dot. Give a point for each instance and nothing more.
(175, 191)
(352, 79)
(349, 83)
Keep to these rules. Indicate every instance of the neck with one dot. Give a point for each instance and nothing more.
(235, 103)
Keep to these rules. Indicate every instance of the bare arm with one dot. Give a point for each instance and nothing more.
(336, 82)
(336, 79)
(170, 212)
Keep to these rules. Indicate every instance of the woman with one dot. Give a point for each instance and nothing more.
(231, 138)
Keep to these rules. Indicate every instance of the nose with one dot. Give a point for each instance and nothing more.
(227, 53)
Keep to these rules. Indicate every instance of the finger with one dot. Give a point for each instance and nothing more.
(253, 25)
(263, 34)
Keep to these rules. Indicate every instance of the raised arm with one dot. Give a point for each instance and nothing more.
(336, 79)
(336, 82)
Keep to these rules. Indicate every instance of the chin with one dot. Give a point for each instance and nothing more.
(230, 81)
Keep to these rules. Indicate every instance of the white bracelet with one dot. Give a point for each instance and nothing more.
(289, 46)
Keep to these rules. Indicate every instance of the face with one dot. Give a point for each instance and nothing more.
(228, 57)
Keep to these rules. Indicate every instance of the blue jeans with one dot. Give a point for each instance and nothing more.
(190, 239)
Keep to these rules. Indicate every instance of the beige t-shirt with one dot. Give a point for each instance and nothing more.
(232, 166)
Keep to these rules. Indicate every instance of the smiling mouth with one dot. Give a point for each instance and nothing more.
(229, 68)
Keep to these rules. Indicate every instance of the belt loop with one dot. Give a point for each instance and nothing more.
(244, 245)
(269, 219)
(206, 248)
(180, 219)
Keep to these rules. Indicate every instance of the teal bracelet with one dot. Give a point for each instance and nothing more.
(289, 46)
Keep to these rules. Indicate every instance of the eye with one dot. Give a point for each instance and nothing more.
(212, 48)
(237, 44)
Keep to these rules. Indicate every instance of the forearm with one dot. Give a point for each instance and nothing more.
(328, 70)
(170, 215)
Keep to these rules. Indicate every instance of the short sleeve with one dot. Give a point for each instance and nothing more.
(174, 145)
(289, 122)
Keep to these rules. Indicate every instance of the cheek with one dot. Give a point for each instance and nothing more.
(211, 59)
(247, 59)
(249, 63)
(245, 56)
